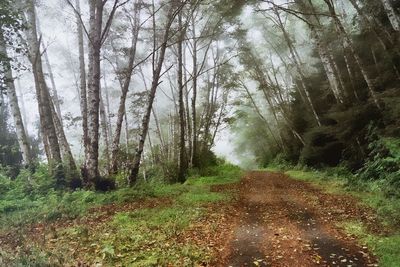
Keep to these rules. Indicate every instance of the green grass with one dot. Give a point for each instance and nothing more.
(144, 237)
(201, 196)
(32, 199)
(60, 205)
(224, 175)
(388, 208)
(331, 184)
(147, 237)
(386, 248)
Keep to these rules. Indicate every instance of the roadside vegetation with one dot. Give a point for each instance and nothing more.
(374, 192)
(120, 227)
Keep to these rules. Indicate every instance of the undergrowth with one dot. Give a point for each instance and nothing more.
(385, 247)
(143, 237)
(372, 193)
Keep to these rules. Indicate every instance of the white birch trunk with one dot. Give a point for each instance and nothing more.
(124, 90)
(49, 134)
(15, 111)
(156, 77)
(391, 13)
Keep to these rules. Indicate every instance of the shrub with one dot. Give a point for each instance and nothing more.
(383, 165)
(322, 148)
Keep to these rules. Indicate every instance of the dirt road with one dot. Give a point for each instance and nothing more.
(284, 222)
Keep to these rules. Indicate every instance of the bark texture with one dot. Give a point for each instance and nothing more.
(152, 93)
(48, 129)
(391, 13)
(126, 77)
(15, 111)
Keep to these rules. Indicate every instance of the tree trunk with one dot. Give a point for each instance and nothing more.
(107, 107)
(93, 92)
(349, 43)
(82, 80)
(156, 77)
(65, 148)
(124, 91)
(299, 68)
(194, 159)
(323, 52)
(104, 131)
(55, 97)
(182, 122)
(127, 140)
(187, 113)
(391, 13)
(328, 66)
(13, 100)
(55, 106)
(384, 39)
(44, 101)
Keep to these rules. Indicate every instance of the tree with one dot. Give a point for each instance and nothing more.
(126, 75)
(11, 26)
(183, 165)
(45, 105)
(304, 90)
(173, 11)
(349, 43)
(97, 35)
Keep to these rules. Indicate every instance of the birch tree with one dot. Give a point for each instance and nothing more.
(48, 128)
(126, 76)
(323, 51)
(13, 100)
(97, 34)
(173, 11)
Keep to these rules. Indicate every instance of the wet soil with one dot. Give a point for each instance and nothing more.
(284, 222)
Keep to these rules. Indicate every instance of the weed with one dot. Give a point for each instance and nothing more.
(386, 248)
(144, 237)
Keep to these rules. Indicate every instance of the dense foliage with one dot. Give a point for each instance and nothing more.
(356, 132)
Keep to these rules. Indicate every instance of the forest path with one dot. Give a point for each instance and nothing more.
(285, 222)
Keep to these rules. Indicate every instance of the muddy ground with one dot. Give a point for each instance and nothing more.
(284, 222)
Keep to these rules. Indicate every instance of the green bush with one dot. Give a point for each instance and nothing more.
(321, 148)
(383, 165)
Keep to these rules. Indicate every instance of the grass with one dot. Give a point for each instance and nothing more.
(143, 237)
(150, 234)
(60, 205)
(33, 200)
(388, 208)
(387, 248)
